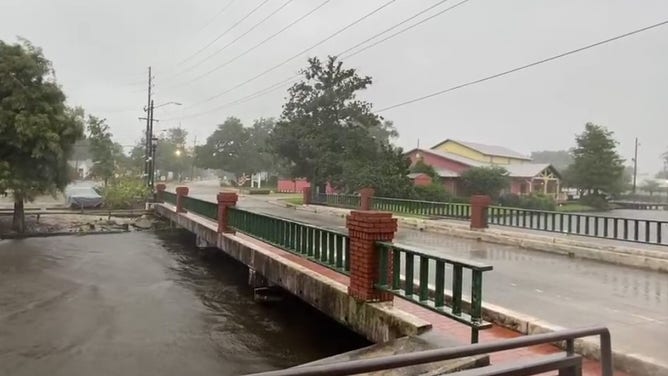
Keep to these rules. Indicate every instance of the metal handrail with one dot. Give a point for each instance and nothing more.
(429, 356)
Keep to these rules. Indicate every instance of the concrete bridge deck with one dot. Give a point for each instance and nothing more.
(548, 288)
(439, 324)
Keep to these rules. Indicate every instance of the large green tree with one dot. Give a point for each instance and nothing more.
(485, 180)
(173, 154)
(325, 131)
(37, 129)
(227, 148)
(597, 167)
(103, 151)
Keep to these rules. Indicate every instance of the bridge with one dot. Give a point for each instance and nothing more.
(629, 300)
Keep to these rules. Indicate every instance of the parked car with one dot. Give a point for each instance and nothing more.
(83, 197)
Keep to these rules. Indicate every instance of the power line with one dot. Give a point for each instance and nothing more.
(530, 65)
(225, 32)
(398, 32)
(220, 12)
(275, 86)
(259, 23)
(378, 9)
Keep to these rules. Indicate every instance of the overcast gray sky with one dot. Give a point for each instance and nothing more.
(101, 50)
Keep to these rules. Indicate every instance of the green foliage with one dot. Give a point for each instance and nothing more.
(237, 149)
(534, 202)
(325, 129)
(422, 168)
(125, 193)
(485, 180)
(662, 174)
(259, 191)
(102, 149)
(559, 159)
(37, 129)
(596, 165)
(432, 192)
(596, 201)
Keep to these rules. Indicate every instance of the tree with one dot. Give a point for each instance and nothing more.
(596, 165)
(172, 153)
(102, 149)
(260, 157)
(662, 174)
(422, 168)
(485, 180)
(559, 159)
(37, 129)
(650, 186)
(226, 149)
(324, 127)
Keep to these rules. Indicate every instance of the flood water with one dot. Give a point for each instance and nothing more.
(146, 304)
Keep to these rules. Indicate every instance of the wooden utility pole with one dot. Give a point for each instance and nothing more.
(148, 135)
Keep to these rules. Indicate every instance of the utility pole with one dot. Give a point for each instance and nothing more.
(148, 136)
(635, 165)
(151, 165)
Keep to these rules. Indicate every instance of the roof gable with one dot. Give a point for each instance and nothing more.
(489, 150)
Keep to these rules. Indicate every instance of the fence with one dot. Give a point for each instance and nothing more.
(169, 197)
(326, 247)
(425, 208)
(337, 200)
(428, 289)
(635, 230)
(205, 208)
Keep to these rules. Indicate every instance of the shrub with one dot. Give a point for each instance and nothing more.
(259, 191)
(432, 192)
(595, 201)
(125, 194)
(535, 202)
(509, 199)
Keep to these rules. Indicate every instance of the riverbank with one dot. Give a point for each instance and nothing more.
(75, 223)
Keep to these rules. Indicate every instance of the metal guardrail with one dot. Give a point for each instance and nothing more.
(431, 270)
(325, 247)
(567, 363)
(337, 200)
(425, 208)
(627, 229)
(169, 197)
(205, 208)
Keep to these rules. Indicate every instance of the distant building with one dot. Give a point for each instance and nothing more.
(81, 167)
(450, 158)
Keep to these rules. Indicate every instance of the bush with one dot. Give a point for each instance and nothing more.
(535, 202)
(510, 200)
(125, 194)
(432, 192)
(595, 201)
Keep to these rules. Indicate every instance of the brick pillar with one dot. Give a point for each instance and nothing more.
(364, 229)
(225, 200)
(479, 205)
(366, 195)
(307, 195)
(160, 188)
(181, 192)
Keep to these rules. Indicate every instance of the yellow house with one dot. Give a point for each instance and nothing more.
(492, 154)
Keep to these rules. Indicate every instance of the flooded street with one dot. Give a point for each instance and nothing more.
(145, 304)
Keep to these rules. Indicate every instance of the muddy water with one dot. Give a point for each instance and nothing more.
(145, 304)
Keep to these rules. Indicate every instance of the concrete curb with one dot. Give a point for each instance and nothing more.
(627, 256)
(635, 364)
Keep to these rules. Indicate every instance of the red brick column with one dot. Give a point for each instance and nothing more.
(366, 195)
(225, 201)
(160, 188)
(181, 192)
(479, 205)
(364, 229)
(307, 195)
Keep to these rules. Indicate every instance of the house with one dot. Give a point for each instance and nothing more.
(450, 158)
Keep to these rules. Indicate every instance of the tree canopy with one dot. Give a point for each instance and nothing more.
(103, 151)
(485, 180)
(326, 134)
(596, 168)
(37, 129)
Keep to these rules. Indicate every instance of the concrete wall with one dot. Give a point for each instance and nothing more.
(378, 322)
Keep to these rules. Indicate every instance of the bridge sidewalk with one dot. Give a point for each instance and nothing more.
(440, 323)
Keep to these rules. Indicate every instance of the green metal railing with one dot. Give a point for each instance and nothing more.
(627, 229)
(204, 208)
(169, 197)
(425, 208)
(422, 280)
(337, 200)
(326, 247)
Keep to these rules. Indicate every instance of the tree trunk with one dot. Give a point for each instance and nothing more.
(18, 222)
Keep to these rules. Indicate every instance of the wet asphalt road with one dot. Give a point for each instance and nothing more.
(571, 293)
(145, 304)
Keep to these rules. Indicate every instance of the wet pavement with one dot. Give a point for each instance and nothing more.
(146, 304)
